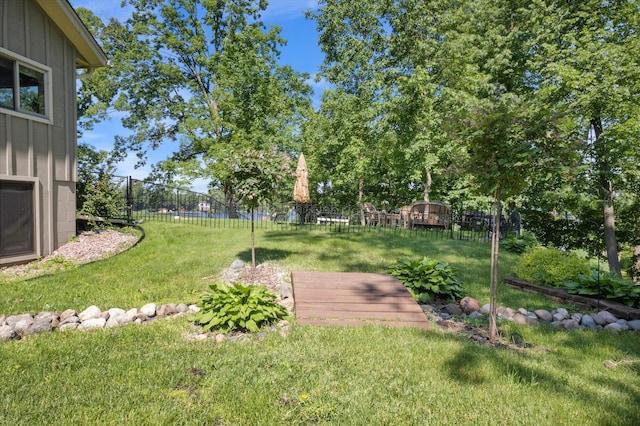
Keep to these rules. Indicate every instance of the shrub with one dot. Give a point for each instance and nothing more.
(238, 307)
(427, 279)
(606, 285)
(520, 243)
(550, 266)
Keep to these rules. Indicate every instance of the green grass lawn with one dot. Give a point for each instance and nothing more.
(150, 374)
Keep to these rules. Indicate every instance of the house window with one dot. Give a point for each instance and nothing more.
(22, 86)
(17, 218)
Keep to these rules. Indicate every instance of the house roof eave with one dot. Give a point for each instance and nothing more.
(90, 54)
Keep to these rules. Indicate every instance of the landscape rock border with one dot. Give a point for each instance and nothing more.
(559, 318)
(18, 326)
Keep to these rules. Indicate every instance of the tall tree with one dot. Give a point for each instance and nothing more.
(587, 56)
(353, 38)
(204, 74)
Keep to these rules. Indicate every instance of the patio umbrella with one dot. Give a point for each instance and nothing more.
(301, 188)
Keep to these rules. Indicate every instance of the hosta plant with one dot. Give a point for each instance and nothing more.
(238, 307)
(427, 279)
(606, 285)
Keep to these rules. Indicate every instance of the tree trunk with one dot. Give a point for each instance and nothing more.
(610, 239)
(253, 243)
(495, 250)
(427, 184)
(606, 186)
(635, 269)
(232, 210)
(361, 199)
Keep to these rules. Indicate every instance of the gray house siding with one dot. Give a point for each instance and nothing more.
(40, 150)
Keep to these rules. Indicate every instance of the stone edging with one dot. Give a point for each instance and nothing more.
(16, 326)
(581, 302)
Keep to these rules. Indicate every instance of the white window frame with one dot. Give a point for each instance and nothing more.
(48, 97)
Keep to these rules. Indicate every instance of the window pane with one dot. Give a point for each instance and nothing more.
(31, 90)
(6, 83)
(16, 218)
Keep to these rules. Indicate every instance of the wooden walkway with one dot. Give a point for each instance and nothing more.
(348, 298)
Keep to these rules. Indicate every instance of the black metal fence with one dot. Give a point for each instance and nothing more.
(156, 202)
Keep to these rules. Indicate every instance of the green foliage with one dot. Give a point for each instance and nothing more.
(606, 285)
(519, 243)
(550, 266)
(97, 195)
(238, 307)
(428, 279)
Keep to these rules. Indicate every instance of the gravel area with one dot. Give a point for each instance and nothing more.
(87, 247)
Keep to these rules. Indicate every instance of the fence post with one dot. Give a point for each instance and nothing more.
(129, 199)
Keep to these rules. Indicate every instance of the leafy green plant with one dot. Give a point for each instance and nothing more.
(427, 279)
(519, 243)
(238, 307)
(606, 285)
(550, 266)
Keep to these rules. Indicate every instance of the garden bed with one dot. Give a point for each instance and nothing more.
(582, 302)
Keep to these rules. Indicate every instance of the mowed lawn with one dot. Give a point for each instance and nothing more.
(151, 374)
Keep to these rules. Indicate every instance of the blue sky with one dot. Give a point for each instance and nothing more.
(301, 52)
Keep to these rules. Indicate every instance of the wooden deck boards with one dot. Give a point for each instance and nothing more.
(349, 298)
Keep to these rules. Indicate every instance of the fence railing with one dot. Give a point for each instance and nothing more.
(155, 202)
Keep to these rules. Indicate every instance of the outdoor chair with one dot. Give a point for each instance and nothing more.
(432, 215)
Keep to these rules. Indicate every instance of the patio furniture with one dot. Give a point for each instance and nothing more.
(430, 215)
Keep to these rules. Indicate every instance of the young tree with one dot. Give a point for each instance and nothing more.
(256, 176)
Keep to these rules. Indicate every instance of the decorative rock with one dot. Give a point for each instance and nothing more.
(563, 312)
(42, 324)
(220, 338)
(544, 315)
(22, 327)
(68, 314)
(570, 324)
(577, 317)
(149, 310)
(12, 320)
(116, 312)
(519, 318)
(587, 322)
(453, 309)
(485, 309)
(237, 264)
(92, 323)
(132, 313)
(166, 310)
(69, 326)
(475, 315)
(118, 319)
(469, 304)
(182, 308)
(71, 320)
(634, 325)
(193, 309)
(7, 333)
(506, 313)
(90, 313)
(604, 317)
(623, 324)
(614, 326)
(523, 311)
(557, 317)
(445, 316)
